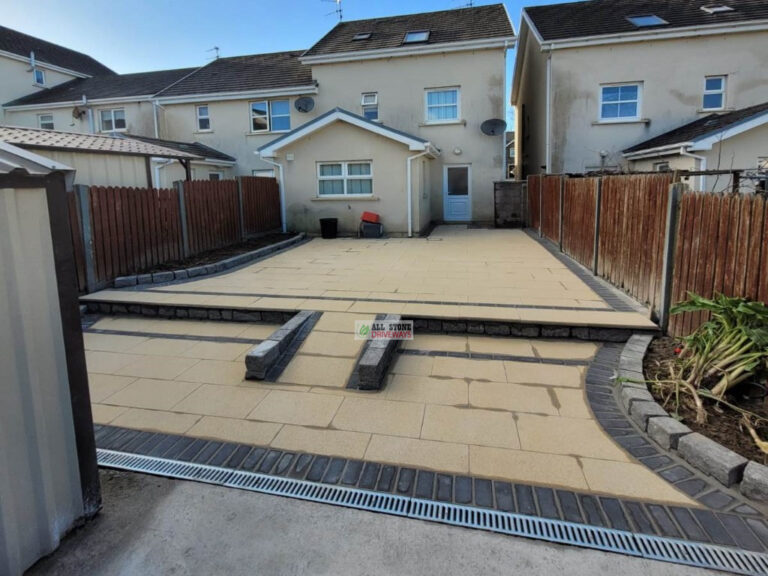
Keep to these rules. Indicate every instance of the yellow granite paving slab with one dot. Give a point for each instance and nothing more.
(340, 322)
(302, 408)
(466, 368)
(225, 401)
(442, 456)
(379, 416)
(102, 386)
(500, 345)
(470, 426)
(215, 372)
(439, 342)
(572, 403)
(322, 441)
(412, 365)
(110, 342)
(106, 362)
(258, 331)
(160, 367)
(235, 430)
(104, 414)
(156, 420)
(163, 347)
(564, 349)
(331, 344)
(216, 350)
(549, 374)
(318, 371)
(152, 394)
(512, 397)
(447, 391)
(527, 467)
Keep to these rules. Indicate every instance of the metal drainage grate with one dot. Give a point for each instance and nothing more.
(640, 545)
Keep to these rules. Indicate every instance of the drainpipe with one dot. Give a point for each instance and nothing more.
(548, 114)
(702, 166)
(281, 185)
(154, 118)
(409, 188)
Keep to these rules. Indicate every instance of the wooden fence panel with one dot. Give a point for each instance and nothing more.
(722, 247)
(213, 217)
(534, 205)
(550, 207)
(261, 204)
(579, 202)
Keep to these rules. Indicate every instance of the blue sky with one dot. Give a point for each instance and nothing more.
(140, 35)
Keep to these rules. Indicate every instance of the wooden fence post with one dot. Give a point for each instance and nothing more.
(84, 204)
(596, 247)
(240, 207)
(562, 197)
(179, 185)
(668, 267)
(541, 211)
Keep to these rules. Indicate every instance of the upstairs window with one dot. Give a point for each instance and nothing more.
(362, 36)
(39, 76)
(274, 116)
(442, 105)
(112, 120)
(415, 36)
(714, 93)
(203, 119)
(716, 9)
(370, 104)
(45, 121)
(620, 102)
(645, 20)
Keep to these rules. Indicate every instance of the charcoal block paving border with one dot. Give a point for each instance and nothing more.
(604, 396)
(189, 312)
(186, 274)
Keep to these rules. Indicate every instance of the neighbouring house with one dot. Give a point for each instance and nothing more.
(98, 159)
(31, 65)
(510, 155)
(424, 84)
(593, 79)
(734, 140)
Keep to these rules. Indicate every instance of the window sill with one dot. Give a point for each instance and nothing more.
(614, 122)
(37, 85)
(349, 198)
(203, 132)
(266, 133)
(446, 123)
(714, 110)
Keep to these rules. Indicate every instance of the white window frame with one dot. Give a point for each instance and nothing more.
(638, 116)
(112, 115)
(199, 117)
(424, 33)
(721, 92)
(370, 104)
(269, 115)
(35, 72)
(428, 91)
(263, 173)
(218, 173)
(40, 121)
(344, 177)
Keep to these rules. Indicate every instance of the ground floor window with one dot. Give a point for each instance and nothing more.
(264, 173)
(215, 175)
(345, 178)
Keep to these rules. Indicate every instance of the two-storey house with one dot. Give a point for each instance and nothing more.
(31, 65)
(595, 79)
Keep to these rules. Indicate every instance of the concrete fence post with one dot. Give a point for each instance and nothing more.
(596, 247)
(670, 240)
(84, 204)
(562, 199)
(240, 207)
(179, 185)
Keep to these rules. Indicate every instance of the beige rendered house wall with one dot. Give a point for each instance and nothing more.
(401, 83)
(672, 73)
(531, 110)
(230, 128)
(40, 487)
(18, 81)
(343, 142)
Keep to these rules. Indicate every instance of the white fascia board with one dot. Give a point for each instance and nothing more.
(503, 42)
(670, 149)
(36, 158)
(44, 65)
(214, 162)
(661, 34)
(246, 95)
(270, 150)
(96, 102)
(708, 141)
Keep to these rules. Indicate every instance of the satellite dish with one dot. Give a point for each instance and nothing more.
(77, 112)
(304, 104)
(493, 127)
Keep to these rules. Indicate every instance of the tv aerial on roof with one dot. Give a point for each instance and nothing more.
(337, 11)
(304, 104)
(493, 127)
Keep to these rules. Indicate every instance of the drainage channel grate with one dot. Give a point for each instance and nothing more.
(640, 545)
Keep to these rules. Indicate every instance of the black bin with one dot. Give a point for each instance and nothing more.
(329, 227)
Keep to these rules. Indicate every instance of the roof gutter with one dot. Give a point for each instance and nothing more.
(410, 51)
(71, 103)
(45, 65)
(657, 151)
(241, 95)
(702, 166)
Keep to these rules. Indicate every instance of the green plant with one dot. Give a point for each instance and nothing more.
(729, 348)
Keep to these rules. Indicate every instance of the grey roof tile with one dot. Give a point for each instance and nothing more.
(445, 26)
(598, 17)
(195, 148)
(47, 52)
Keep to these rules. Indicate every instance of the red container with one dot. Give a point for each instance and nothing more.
(370, 217)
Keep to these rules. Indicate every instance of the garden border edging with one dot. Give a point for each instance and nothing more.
(709, 457)
(168, 276)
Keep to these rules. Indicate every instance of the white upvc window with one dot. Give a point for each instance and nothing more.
(45, 121)
(620, 102)
(442, 105)
(263, 173)
(714, 93)
(370, 105)
(203, 118)
(345, 178)
(215, 175)
(271, 116)
(112, 120)
(39, 76)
